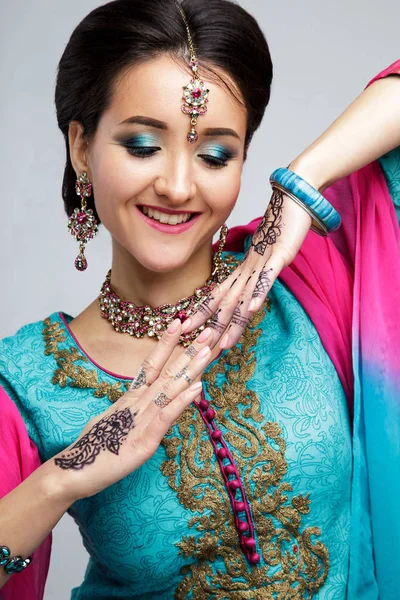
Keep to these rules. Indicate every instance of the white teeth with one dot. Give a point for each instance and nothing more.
(164, 218)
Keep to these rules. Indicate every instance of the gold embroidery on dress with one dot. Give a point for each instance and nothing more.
(72, 374)
(297, 564)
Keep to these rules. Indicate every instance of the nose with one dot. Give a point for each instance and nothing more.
(176, 183)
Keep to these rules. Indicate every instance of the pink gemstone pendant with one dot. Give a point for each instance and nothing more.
(195, 95)
(81, 262)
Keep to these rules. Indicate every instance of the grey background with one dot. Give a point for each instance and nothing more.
(324, 53)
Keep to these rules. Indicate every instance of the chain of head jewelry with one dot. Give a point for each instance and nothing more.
(195, 94)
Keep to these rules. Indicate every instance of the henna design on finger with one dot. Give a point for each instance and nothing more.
(204, 307)
(215, 324)
(269, 229)
(162, 399)
(139, 380)
(238, 319)
(235, 280)
(106, 434)
(191, 351)
(263, 284)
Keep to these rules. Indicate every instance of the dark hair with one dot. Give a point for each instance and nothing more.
(120, 34)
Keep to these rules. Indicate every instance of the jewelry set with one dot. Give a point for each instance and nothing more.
(138, 321)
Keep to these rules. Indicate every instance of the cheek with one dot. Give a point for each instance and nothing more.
(222, 192)
(116, 179)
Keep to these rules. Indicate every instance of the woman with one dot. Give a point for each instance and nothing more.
(264, 480)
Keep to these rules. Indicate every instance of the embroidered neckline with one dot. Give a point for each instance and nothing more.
(74, 339)
(70, 372)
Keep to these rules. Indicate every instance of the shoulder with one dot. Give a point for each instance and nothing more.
(26, 342)
(24, 354)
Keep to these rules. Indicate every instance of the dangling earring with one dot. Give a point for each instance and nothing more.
(82, 223)
(220, 269)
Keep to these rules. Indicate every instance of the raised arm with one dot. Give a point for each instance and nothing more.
(368, 128)
(365, 131)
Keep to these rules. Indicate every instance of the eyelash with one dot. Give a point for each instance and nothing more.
(145, 152)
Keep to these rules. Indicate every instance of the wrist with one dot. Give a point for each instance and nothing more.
(56, 485)
(310, 172)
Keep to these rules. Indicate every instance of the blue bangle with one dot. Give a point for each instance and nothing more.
(12, 565)
(306, 194)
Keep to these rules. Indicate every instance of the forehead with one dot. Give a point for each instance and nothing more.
(154, 89)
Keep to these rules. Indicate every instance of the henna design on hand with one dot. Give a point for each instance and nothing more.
(191, 351)
(139, 380)
(263, 283)
(238, 319)
(215, 324)
(162, 399)
(269, 229)
(106, 434)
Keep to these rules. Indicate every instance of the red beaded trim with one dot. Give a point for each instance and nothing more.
(233, 483)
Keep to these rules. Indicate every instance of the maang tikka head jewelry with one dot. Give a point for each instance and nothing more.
(195, 94)
(82, 223)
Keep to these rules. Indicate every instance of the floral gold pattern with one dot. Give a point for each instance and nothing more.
(295, 564)
(73, 374)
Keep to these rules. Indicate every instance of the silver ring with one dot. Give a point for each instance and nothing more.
(188, 379)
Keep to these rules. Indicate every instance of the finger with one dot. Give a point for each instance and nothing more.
(164, 395)
(181, 367)
(177, 385)
(231, 308)
(160, 422)
(208, 307)
(157, 358)
(263, 285)
(265, 281)
(242, 314)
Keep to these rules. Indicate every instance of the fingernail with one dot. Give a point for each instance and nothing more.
(224, 342)
(186, 325)
(253, 304)
(173, 327)
(204, 352)
(196, 387)
(204, 335)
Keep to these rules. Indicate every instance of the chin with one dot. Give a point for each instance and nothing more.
(159, 263)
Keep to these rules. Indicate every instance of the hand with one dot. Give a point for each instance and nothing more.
(274, 245)
(119, 440)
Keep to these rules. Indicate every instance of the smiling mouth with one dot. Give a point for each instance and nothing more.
(168, 219)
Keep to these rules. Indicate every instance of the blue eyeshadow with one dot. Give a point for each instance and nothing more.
(218, 151)
(143, 140)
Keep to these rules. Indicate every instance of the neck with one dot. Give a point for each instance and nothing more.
(134, 283)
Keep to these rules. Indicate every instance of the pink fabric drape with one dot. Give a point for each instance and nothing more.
(19, 457)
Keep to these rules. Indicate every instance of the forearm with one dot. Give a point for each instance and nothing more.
(31, 510)
(366, 130)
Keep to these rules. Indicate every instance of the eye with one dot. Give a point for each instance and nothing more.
(142, 151)
(214, 162)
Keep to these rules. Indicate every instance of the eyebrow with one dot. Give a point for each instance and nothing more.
(221, 131)
(210, 131)
(145, 121)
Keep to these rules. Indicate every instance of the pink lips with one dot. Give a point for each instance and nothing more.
(165, 228)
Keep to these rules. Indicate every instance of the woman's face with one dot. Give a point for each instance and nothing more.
(161, 198)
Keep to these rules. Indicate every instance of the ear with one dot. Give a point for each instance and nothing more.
(78, 147)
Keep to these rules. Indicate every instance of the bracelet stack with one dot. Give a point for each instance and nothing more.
(324, 217)
(15, 564)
